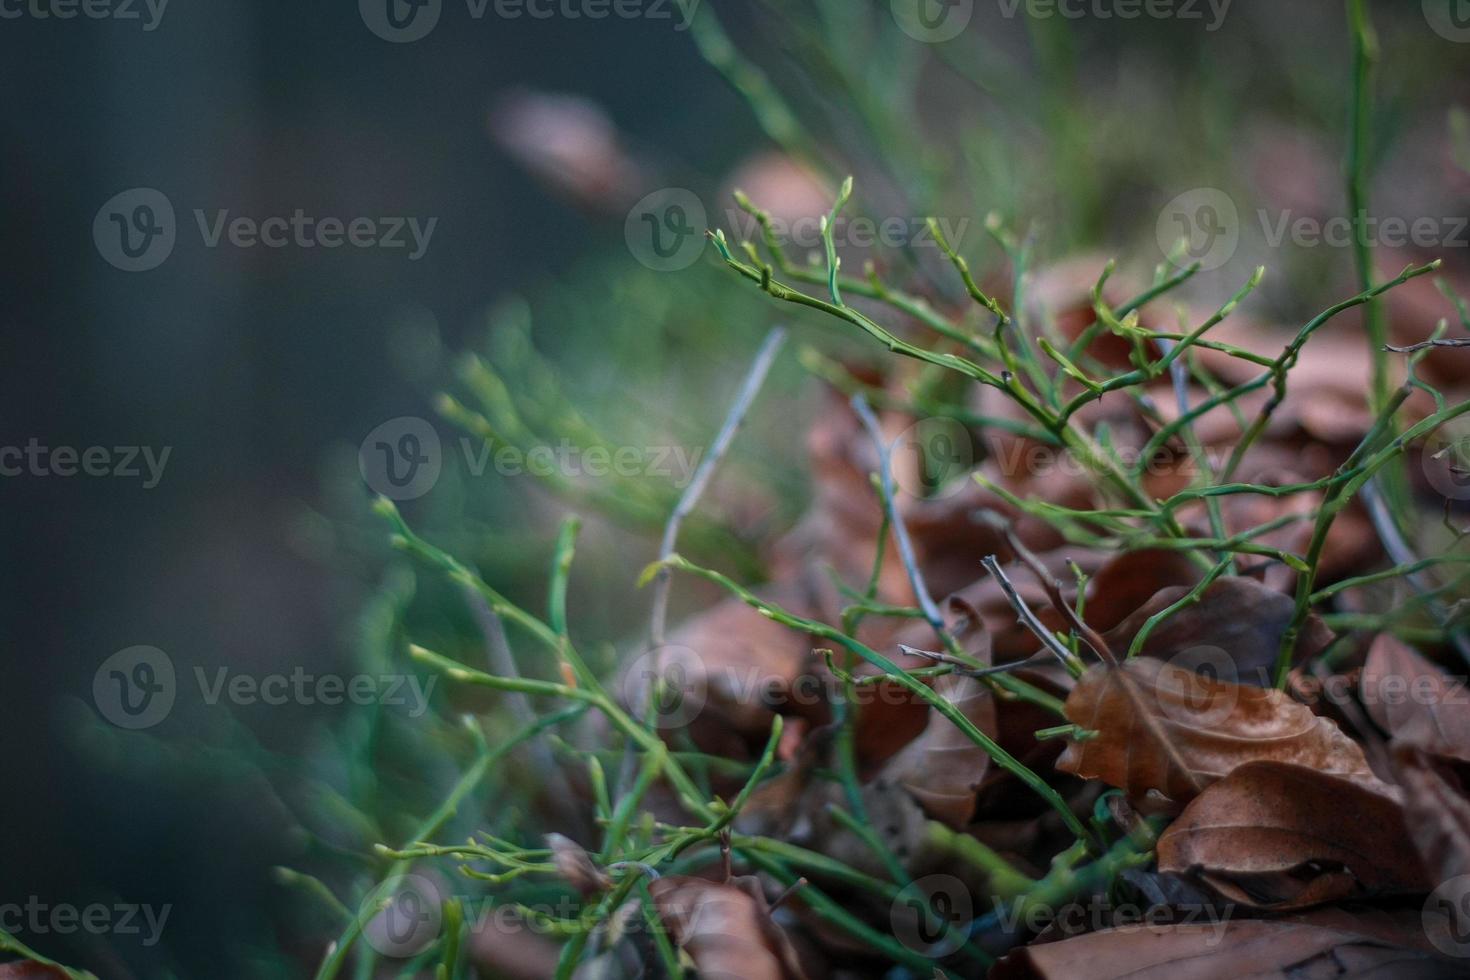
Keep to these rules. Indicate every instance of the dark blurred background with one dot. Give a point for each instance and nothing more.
(249, 363)
(259, 367)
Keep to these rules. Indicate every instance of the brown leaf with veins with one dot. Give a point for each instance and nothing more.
(726, 929)
(1276, 836)
(1414, 700)
(1327, 943)
(1165, 731)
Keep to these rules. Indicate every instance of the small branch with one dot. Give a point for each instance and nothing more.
(1360, 136)
(786, 893)
(1054, 594)
(960, 667)
(502, 663)
(1027, 617)
(754, 379)
(900, 531)
(1426, 344)
(1403, 555)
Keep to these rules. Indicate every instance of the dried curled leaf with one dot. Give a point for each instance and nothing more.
(1414, 700)
(1279, 836)
(726, 929)
(1238, 615)
(942, 768)
(1436, 807)
(1170, 732)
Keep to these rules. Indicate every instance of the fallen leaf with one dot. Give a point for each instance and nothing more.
(1414, 700)
(942, 768)
(1279, 836)
(575, 865)
(1165, 731)
(1326, 943)
(1436, 808)
(726, 929)
(734, 669)
(1129, 580)
(1237, 615)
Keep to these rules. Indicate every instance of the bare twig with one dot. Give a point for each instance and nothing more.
(754, 378)
(963, 669)
(503, 663)
(1054, 593)
(1401, 553)
(1426, 344)
(790, 890)
(1025, 615)
(734, 419)
(900, 530)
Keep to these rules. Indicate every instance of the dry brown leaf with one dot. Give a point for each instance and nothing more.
(1165, 731)
(1328, 943)
(735, 668)
(575, 865)
(1279, 836)
(1239, 616)
(1128, 580)
(726, 929)
(1436, 808)
(1414, 700)
(942, 768)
